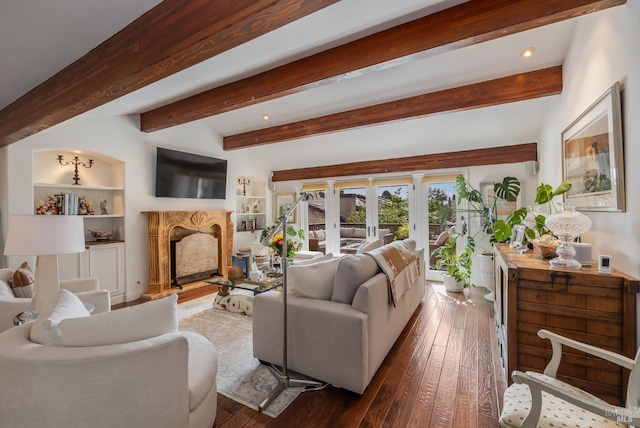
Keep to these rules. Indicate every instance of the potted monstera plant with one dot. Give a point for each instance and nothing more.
(498, 230)
(457, 266)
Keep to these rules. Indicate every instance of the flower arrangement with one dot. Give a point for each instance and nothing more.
(294, 241)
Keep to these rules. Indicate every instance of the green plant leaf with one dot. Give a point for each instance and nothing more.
(562, 188)
(508, 189)
(544, 193)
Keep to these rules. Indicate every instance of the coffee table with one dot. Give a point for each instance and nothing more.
(226, 285)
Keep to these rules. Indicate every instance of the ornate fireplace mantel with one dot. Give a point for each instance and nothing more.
(163, 225)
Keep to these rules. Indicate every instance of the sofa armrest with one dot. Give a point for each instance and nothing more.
(100, 299)
(326, 340)
(80, 284)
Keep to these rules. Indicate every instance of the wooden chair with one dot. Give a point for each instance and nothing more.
(541, 400)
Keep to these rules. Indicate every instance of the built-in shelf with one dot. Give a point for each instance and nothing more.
(74, 187)
(251, 203)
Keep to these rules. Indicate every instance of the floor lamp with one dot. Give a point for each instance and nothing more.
(45, 236)
(284, 380)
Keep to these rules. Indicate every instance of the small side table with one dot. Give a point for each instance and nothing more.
(23, 317)
(28, 316)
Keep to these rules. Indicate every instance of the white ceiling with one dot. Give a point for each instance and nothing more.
(40, 37)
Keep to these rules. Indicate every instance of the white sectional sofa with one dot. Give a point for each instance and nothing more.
(341, 325)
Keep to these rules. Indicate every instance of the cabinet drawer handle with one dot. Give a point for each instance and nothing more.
(561, 287)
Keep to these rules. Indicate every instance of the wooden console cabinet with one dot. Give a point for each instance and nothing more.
(581, 304)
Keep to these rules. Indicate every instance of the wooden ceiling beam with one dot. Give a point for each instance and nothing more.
(467, 24)
(508, 89)
(171, 37)
(460, 159)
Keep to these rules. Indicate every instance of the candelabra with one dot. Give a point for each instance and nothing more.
(244, 182)
(75, 162)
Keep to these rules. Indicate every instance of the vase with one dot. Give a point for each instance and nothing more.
(567, 224)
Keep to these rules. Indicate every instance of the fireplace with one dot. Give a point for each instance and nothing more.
(212, 229)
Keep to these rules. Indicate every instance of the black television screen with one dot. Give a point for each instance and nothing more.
(187, 175)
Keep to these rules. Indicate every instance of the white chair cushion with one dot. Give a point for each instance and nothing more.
(139, 322)
(555, 411)
(441, 238)
(314, 281)
(65, 305)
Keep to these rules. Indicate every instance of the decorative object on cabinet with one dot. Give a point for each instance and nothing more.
(567, 224)
(101, 235)
(75, 162)
(583, 305)
(592, 156)
(45, 237)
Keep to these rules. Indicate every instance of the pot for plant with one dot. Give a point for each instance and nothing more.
(450, 283)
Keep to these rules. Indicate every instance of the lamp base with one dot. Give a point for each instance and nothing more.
(560, 262)
(284, 382)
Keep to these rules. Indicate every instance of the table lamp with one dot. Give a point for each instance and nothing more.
(567, 224)
(44, 236)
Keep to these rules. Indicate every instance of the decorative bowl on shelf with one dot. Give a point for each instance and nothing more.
(101, 235)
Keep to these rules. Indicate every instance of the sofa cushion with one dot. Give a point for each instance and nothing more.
(65, 305)
(138, 322)
(312, 235)
(321, 235)
(352, 271)
(323, 258)
(368, 246)
(360, 233)
(383, 232)
(5, 278)
(347, 232)
(23, 281)
(314, 281)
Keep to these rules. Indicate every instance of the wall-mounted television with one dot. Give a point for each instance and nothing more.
(187, 175)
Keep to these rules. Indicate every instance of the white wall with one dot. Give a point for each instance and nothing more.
(603, 51)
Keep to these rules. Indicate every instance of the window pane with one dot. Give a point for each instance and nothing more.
(393, 211)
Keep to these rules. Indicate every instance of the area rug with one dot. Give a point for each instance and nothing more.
(240, 376)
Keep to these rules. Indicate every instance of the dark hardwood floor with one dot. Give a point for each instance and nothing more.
(443, 371)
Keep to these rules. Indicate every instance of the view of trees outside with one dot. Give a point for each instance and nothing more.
(441, 206)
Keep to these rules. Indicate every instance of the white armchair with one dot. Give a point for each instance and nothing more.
(541, 400)
(87, 289)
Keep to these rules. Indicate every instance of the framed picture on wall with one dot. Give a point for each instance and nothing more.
(283, 203)
(592, 156)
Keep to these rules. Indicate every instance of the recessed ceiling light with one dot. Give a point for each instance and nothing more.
(265, 116)
(526, 53)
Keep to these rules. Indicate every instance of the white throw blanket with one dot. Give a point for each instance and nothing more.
(399, 262)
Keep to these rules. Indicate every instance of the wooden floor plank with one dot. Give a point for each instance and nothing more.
(443, 371)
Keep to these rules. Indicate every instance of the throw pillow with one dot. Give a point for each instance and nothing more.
(352, 271)
(23, 280)
(368, 246)
(124, 325)
(65, 305)
(312, 261)
(5, 279)
(314, 281)
(441, 239)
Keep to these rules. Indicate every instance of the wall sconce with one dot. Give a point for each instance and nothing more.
(75, 162)
(244, 182)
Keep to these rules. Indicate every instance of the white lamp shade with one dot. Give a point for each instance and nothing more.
(39, 235)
